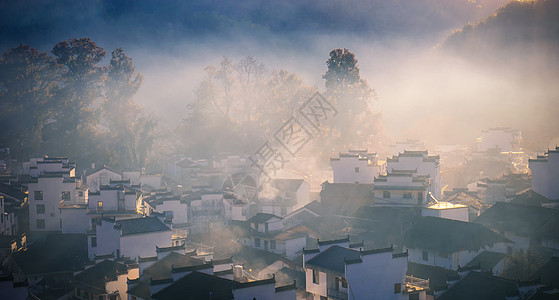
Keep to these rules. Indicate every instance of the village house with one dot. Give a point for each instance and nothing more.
(421, 164)
(401, 188)
(266, 234)
(450, 243)
(307, 212)
(52, 181)
(104, 281)
(548, 234)
(129, 237)
(355, 166)
(446, 210)
(518, 223)
(467, 198)
(502, 139)
(95, 178)
(336, 271)
(205, 209)
(545, 174)
(282, 196)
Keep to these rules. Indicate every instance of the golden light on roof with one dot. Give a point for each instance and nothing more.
(446, 205)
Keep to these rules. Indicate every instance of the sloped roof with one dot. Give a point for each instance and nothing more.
(437, 276)
(549, 273)
(286, 276)
(550, 228)
(465, 199)
(99, 274)
(529, 197)
(287, 185)
(517, 218)
(260, 218)
(58, 253)
(480, 286)
(162, 268)
(197, 285)
(334, 258)
(141, 225)
(486, 260)
(449, 236)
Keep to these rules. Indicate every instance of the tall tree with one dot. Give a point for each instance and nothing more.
(80, 88)
(125, 121)
(357, 123)
(28, 78)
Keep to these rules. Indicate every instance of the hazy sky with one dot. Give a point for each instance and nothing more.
(423, 92)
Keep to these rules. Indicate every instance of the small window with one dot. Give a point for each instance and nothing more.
(419, 197)
(40, 209)
(414, 296)
(425, 255)
(257, 242)
(407, 195)
(397, 288)
(356, 169)
(315, 277)
(386, 194)
(40, 223)
(93, 241)
(443, 254)
(99, 205)
(273, 244)
(38, 195)
(65, 196)
(344, 283)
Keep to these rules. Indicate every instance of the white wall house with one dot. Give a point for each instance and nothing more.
(53, 180)
(450, 243)
(339, 272)
(129, 238)
(173, 208)
(266, 234)
(447, 210)
(112, 201)
(7, 219)
(283, 196)
(102, 176)
(401, 188)
(503, 139)
(205, 210)
(104, 281)
(545, 174)
(422, 163)
(355, 166)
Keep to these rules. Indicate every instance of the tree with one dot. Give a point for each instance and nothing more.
(80, 87)
(357, 123)
(27, 80)
(129, 130)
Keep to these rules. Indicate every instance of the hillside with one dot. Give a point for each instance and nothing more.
(521, 28)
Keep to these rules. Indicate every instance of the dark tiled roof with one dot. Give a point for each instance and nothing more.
(260, 218)
(196, 286)
(480, 286)
(163, 267)
(550, 228)
(286, 276)
(334, 258)
(287, 185)
(486, 260)
(516, 218)
(449, 236)
(141, 225)
(58, 253)
(437, 276)
(549, 273)
(141, 290)
(99, 274)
